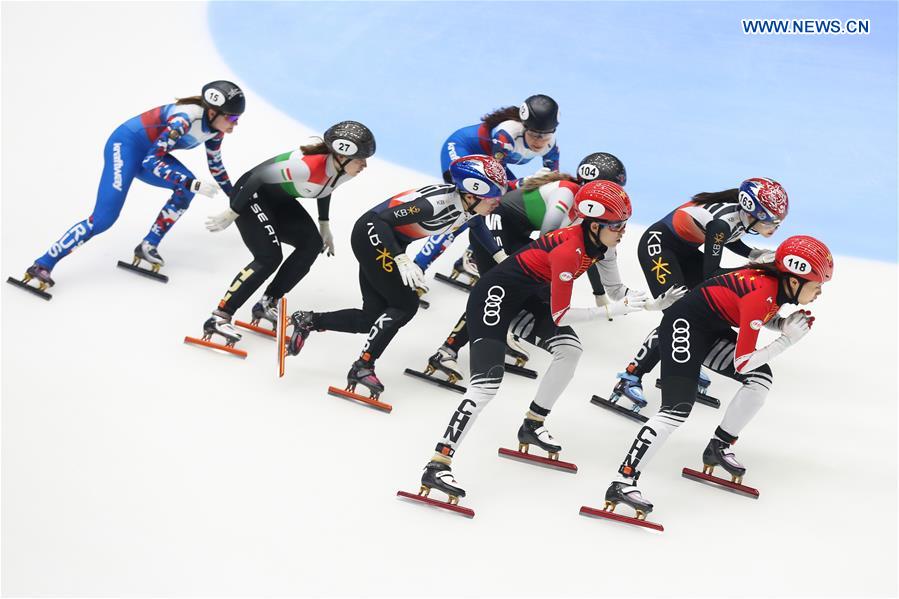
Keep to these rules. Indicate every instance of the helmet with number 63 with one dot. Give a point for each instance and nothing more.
(804, 257)
(478, 175)
(602, 201)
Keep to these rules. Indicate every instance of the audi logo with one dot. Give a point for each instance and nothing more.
(680, 341)
(495, 297)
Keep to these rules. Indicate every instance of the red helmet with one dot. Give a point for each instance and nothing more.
(805, 257)
(603, 201)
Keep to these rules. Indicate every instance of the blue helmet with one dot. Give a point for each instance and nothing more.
(479, 175)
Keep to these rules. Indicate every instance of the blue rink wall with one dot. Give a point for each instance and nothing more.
(675, 89)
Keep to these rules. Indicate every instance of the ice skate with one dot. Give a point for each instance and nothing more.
(533, 432)
(302, 327)
(265, 309)
(438, 475)
(628, 494)
(702, 385)
(703, 382)
(463, 266)
(629, 389)
(219, 324)
(718, 453)
(443, 361)
(362, 372)
(40, 275)
(147, 252)
(520, 357)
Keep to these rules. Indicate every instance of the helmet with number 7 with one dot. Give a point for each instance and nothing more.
(478, 175)
(601, 166)
(603, 201)
(804, 257)
(763, 200)
(350, 139)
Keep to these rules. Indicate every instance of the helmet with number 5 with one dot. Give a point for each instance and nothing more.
(603, 201)
(350, 139)
(601, 166)
(763, 200)
(804, 257)
(478, 175)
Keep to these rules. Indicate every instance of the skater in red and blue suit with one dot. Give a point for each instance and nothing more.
(141, 148)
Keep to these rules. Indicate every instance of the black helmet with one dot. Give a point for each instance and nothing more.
(600, 166)
(224, 97)
(350, 139)
(539, 113)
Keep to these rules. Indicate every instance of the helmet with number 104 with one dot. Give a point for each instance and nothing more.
(350, 139)
(225, 97)
(601, 166)
(479, 175)
(804, 257)
(602, 201)
(764, 200)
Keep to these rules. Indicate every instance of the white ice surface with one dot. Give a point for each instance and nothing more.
(133, 464)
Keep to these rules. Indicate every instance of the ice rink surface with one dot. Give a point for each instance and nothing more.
(133, 464)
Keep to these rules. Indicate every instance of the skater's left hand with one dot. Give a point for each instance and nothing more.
(761, 256)
(666, 299)
(324, 228)
(220, 222)
(541, 172)
(500, 256)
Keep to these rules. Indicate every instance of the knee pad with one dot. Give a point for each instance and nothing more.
(759, 379)
(400, 316)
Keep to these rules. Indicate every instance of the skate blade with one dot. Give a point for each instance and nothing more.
(35, 290)
(706, 400)
(435, 380)
(537, 460)
(368, 401)
(218, 346)
(146, 272)
(454, 282)
(282, 335)
(256, 329)
(614, 407)
(598, 513)
(721, 483)
(445, 505)
(525, 372)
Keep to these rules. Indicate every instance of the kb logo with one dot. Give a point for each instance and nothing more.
(680, 341)
(495, 297)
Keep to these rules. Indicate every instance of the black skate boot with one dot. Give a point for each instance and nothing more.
(628, 494)
(41, 274)
(532, 432)
(444, 360)
(220, 324)
(265, 309)
(438, 475)
(718, 453)
(362, 372)
(302, 326)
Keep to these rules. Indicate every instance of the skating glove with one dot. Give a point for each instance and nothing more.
(324, 227)
(666, 299)
(411, 273)
(221, 221)
(500, 256)
(761, 256)
(541, 172)
(796, 326)
(634, 303)
(207, 189)
(601, 300)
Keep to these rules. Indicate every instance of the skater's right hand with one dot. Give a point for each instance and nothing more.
(220, 222)
(500, 256)
(601, 300)
(625, 306)
(207, 189)
(411, 273)
(796, 326)
(664, 301)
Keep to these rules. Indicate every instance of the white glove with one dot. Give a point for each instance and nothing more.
(666, 299)
(411, 273)
(625, 306)
(207, 189)
(500, 256)
(324, 228)
(761, 256)
(601, 300)
(220, 222)
(542, 171)
(796, 326)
